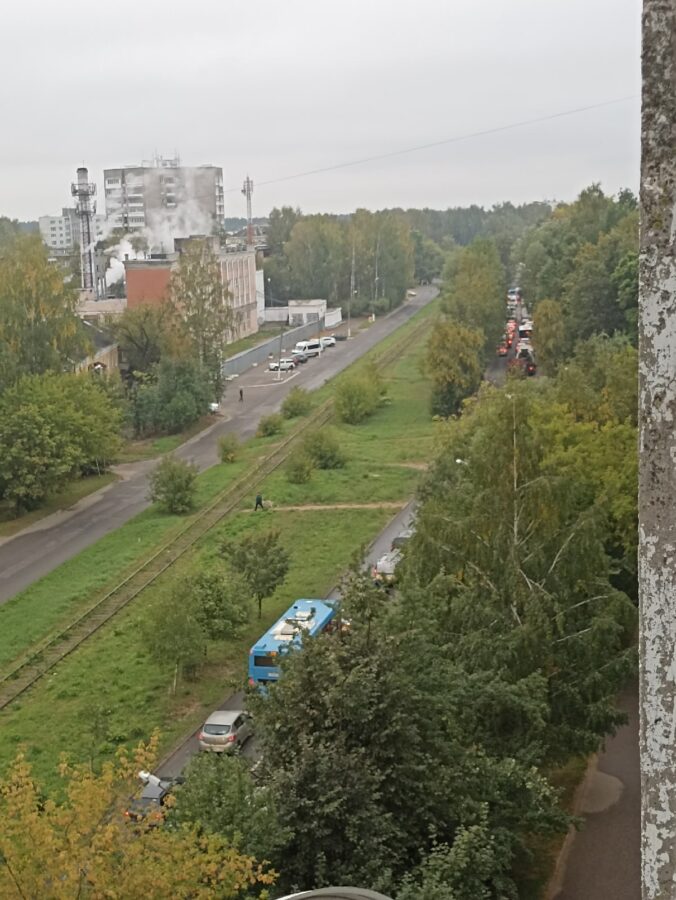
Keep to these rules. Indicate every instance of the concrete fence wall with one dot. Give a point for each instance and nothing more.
(276, 313)
(333, 317)
(257, 355)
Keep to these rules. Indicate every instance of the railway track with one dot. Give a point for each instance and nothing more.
(43, 657)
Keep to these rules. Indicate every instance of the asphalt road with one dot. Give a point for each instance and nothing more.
(39, 549)
(174, 764)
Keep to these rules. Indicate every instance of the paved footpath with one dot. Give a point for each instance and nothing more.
(603, 860)
(39, 549)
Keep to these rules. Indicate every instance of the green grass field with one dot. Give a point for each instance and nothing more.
(381, 452)
(135, 451)
(109, 691)
(376, 450)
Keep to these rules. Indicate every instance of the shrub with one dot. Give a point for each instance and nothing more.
(178, 412)
(172, 485)
(297, 403)
(270, 425)
(323, 448)
(299, 467)
(228, 448)
(358, 397)
(174, 395)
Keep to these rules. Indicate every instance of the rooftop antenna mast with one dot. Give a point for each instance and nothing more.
(247, 190)
(85, 206)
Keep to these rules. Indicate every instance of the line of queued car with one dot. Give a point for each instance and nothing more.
(524, 356)
(301, 353)
(225, 731)
(517, 336)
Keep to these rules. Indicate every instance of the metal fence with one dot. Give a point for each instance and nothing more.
(259, 354)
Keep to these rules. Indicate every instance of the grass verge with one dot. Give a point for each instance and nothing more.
(136, 451)
(73, 491)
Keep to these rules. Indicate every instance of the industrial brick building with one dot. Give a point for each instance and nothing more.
(148, 282)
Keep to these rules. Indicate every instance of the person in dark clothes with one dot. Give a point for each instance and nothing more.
(241, 395)
(259, 502)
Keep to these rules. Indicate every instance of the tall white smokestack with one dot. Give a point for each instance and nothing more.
(85, 207)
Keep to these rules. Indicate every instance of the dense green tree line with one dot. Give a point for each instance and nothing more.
(459, 226)
(475, 287)
(53, 428)
(54, 424)
(39, 329)
(312, 257)
(584, 258)
(473, 318)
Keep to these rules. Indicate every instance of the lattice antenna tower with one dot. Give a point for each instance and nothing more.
(247, 190)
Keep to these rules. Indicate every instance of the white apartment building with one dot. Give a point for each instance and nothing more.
(61, 233)
(165, 198)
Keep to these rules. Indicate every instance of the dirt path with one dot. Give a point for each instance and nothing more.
(385, 504)
(418, 466)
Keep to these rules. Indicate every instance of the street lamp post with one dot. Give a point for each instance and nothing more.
(349, 299)
(281, 336)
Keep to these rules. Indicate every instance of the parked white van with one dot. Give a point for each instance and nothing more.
(309, 348)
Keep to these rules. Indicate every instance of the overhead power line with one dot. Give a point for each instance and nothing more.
(452, 140)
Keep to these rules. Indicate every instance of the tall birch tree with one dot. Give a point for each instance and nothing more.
(657, 468)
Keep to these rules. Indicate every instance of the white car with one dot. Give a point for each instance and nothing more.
(309, 348)
(329, 341)
(284, 365)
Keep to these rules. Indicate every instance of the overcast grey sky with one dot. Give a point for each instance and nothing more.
(278, 87)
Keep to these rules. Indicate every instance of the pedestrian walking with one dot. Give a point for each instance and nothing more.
(241, 395)
(259, 502)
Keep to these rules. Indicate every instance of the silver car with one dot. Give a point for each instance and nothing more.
(225, 730)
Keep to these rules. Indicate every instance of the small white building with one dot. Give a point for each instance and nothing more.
(302, 312)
